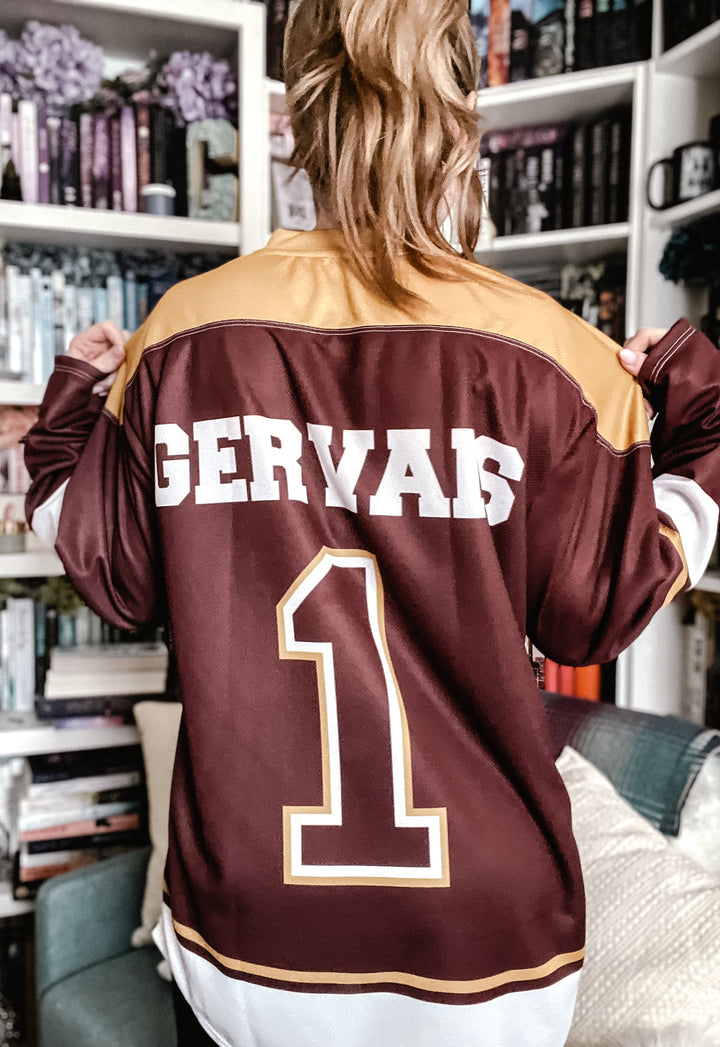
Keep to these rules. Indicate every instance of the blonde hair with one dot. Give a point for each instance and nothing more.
(377, 96)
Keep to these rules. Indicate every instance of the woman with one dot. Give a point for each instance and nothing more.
(354, 470)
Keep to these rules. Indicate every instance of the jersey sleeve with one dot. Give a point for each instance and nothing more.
(92, 495)
(616, 533)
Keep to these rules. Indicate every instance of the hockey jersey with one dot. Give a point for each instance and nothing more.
(352, 518)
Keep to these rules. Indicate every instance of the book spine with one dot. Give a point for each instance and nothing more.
(57, 289)
(77, 830)
(577, 174)
(7, 661)
(115, 300)
(696, 634)
(116, 174)
(24, 656)
(142, 125)
(43, 153)
(618, 171)
(641, 27)
(128, 148)
(547, 37)
(35, 346)
(588, 682)
(110, 787)
(28, 131)
(603, 16)
(570, 9)
(277, 11)
(85, 134)
(98, 839)
(597, 171)
(14, 319)
(93, 812)
(585, 34)
(27, 321)
(101, 161)
(100, 705)
(54, 139)
(6, 120)
(519, 40)
(70, 162)
(620, 44)
(159, 136)
(177, 168)
(47, 344)
(499, 43)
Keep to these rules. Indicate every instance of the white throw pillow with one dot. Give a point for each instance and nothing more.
(653, 922)
(158, 724)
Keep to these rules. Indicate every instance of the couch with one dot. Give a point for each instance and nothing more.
(645, 791)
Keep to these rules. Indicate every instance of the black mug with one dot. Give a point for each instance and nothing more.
(715, 143)
(688, 173)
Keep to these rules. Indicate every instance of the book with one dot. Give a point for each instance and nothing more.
(106, 787)
(96, 839)
(161, 120)
(76, 723)
(479, 19)
(603, 20)
(105, 657)
(86, 158)
(32, 867)
(6, 114)
(520, 11)
(142, 146)
(27, 114)
(570, 9)
(83, 829)
(576, 178)
(596, 179)
(618, 165)
(128, 149)
(43, 156)
(96, 705)
(620, 42)
(101, 185)
(276, 20)
(498, 57)
(116, 173)
(70, 162)
(584, 34)
(87, 812)
(54, 138)
(547, 37)
(81, 763)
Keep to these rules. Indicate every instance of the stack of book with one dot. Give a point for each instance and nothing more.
(102, 680)
(560, 175)
(73, 809)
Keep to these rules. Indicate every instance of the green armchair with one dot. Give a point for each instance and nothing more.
(93, 988)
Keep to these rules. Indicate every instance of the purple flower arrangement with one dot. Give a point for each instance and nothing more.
(55, 65)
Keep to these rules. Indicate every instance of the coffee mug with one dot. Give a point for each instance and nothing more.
(715, 143)
(688, 173)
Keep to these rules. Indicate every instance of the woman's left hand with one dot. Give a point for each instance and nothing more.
(103, 346)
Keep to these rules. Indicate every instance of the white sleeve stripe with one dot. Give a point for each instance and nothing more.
(46, 518)
(694, 515)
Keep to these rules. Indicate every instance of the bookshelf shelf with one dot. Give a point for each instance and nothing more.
(20, 393)
(699, 56)
(570, 96)
(675, 216)
(52, 223)
(32, 564)
(22, 734)
(559, 245)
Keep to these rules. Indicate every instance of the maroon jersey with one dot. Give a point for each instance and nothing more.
(352, 519)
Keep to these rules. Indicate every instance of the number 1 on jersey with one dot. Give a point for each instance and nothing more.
(367, 830)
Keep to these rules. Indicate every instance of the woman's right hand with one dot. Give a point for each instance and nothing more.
(103, 346)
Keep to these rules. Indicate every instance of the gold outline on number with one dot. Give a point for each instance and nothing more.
(316, 656)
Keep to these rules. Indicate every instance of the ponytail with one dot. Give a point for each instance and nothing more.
(377, 94)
